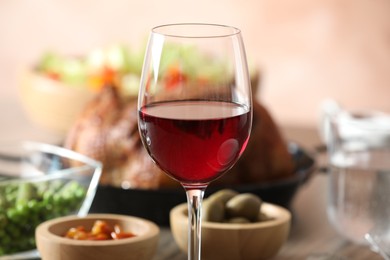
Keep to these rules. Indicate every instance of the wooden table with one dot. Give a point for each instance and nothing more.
(311, 234)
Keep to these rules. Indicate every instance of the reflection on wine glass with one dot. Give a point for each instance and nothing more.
(195, 107)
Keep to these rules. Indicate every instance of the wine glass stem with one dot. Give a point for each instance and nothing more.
(194, 201)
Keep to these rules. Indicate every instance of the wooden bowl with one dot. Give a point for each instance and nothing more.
(261, 240)
(53, 246)
(51, 104)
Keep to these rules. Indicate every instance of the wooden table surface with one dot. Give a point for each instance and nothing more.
(311, 236)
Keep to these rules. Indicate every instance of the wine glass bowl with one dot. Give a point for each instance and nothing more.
(195, 107)
(177, 99)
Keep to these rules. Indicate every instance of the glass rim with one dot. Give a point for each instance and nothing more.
(214, 31)
(363, 120)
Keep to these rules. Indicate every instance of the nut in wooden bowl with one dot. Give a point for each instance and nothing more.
(53, 245)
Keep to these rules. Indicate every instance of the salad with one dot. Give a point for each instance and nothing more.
(120, 66)
(113, 65)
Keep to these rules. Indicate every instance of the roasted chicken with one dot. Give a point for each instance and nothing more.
(107, 131)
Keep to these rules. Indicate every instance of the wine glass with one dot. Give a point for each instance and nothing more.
(195, 108)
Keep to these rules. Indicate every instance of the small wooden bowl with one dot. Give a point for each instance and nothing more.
(261, 240)
(53, 246)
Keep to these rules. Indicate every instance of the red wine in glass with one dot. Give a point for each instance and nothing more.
(195, 141)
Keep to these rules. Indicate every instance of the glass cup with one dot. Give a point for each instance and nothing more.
(359, 176)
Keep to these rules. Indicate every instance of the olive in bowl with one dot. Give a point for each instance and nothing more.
(54, 243)
(230, 238)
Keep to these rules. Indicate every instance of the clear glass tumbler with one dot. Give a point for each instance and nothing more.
(359, 176)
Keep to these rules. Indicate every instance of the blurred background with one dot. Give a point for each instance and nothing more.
(306, 50)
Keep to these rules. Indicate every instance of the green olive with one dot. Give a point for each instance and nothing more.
(263, 217)
(224, 195)
(244, 205)
(213, 210)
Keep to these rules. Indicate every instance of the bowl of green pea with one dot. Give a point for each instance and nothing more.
(39, 182)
